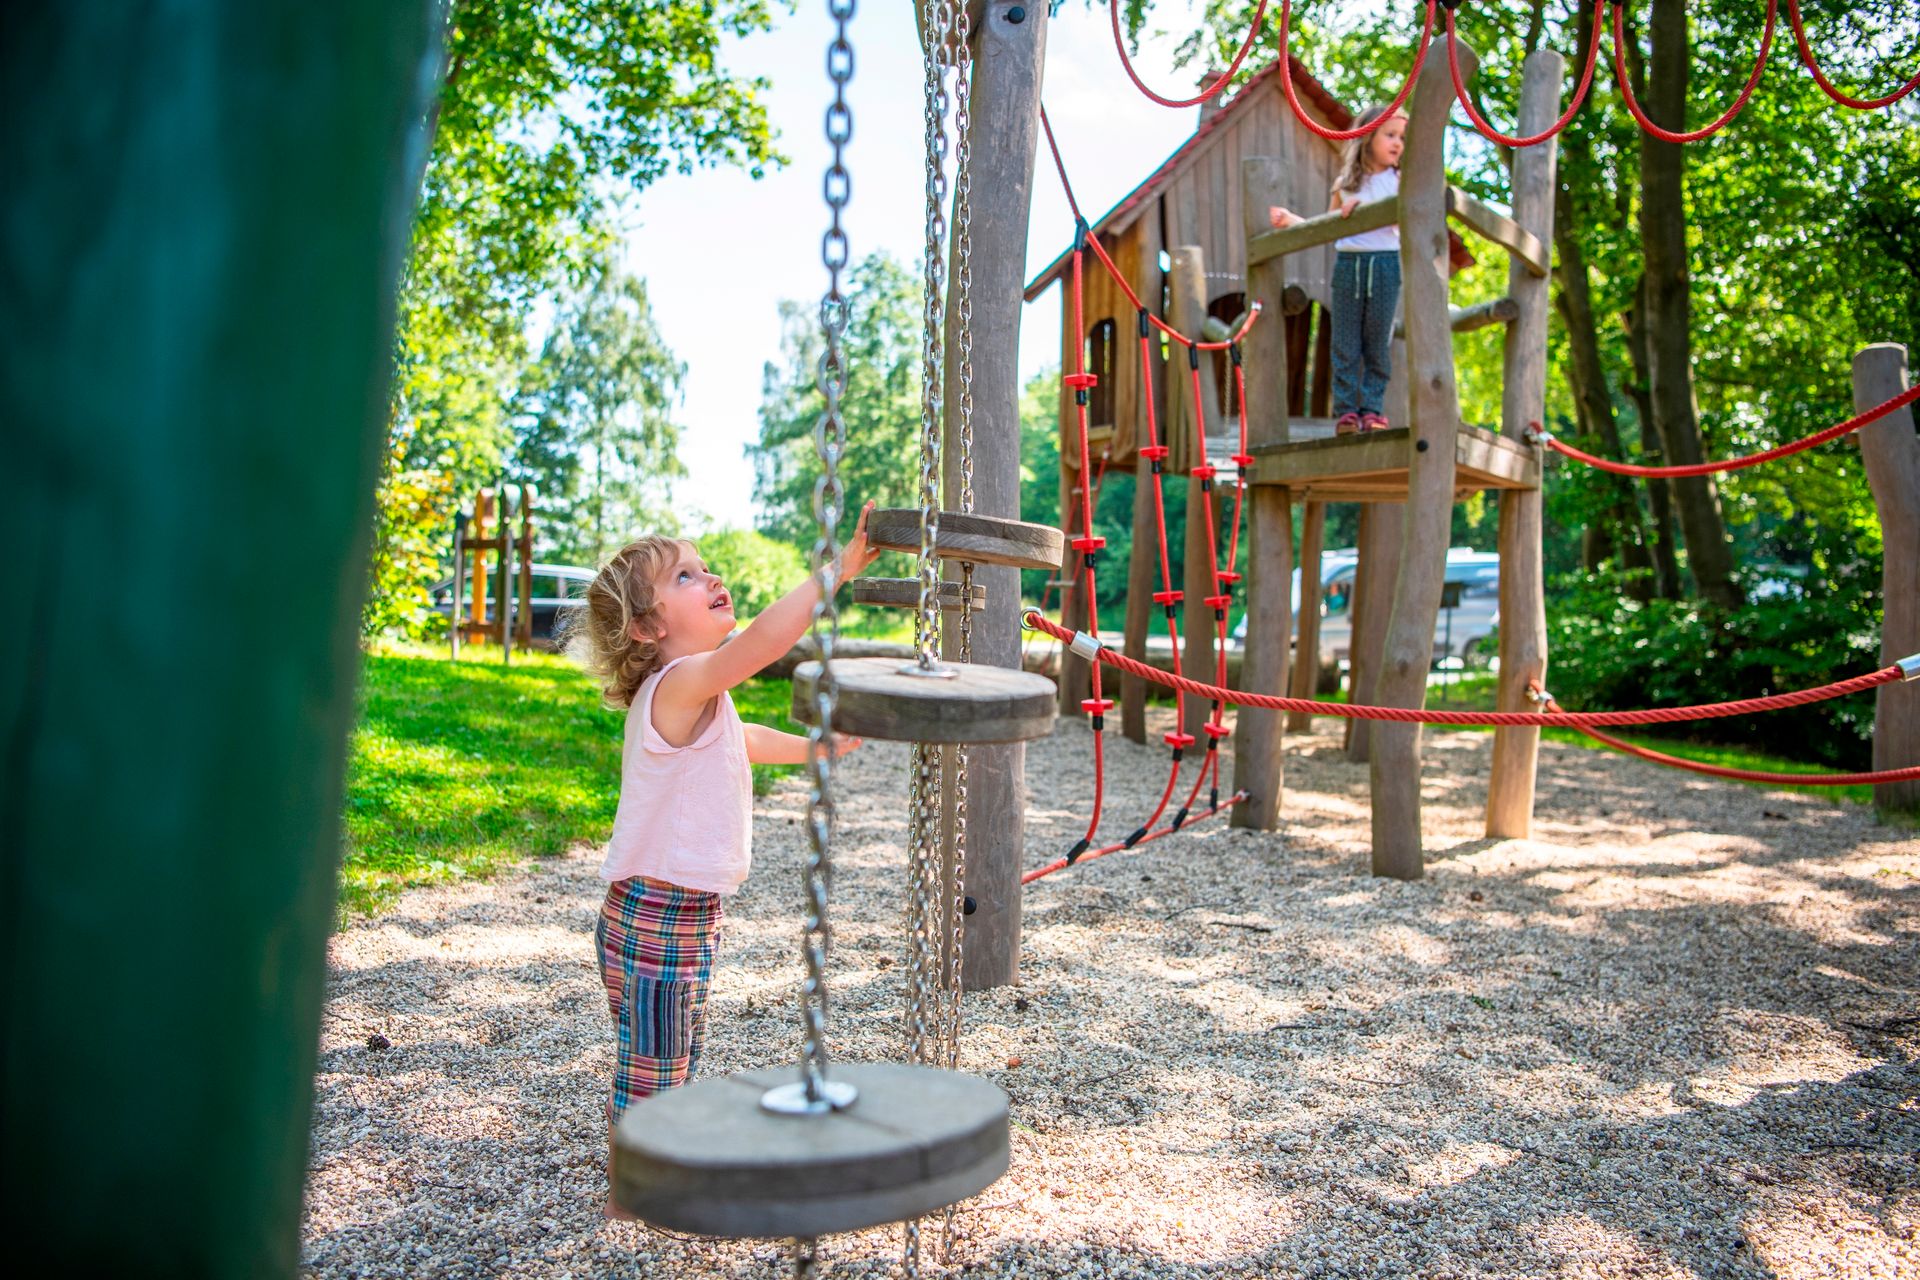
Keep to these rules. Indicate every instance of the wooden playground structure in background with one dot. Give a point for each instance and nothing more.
(507, 584)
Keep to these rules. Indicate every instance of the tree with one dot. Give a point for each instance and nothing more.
(596, 437)
(881, 404)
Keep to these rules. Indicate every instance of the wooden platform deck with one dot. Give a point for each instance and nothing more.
(1372, 466)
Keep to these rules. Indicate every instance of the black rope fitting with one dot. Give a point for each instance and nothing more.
(1092, 558)
(1135, 838)
(1156, 466)
(1171, 610)
(1206, 484)
(1080, 232)
(1213, 744)
(1178, 818)
(1099, 722)
(1193, 356)
(1080, 396)
(1145, 326)
(969, 906)
(1176, 754)
(1450, 5)
(1073, 854)
(1234, 351)
(1213, 798)
(1219, 615)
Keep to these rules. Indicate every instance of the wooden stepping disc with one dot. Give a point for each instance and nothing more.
(904, 593)
(975, 538)
(978, 704)
(708, 1158)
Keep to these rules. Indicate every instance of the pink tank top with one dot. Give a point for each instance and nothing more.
(686, 813)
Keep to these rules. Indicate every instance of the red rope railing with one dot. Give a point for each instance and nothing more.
(1826, 85)
(1834, 432)
(1411, 715)
(1359, 131)
(1726, 118)
(1573, 108)
(1126, 63)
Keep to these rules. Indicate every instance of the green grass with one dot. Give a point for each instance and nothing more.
(463, 769)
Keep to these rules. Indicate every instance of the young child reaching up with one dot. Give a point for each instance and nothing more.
(652, 633)
(1366, 274)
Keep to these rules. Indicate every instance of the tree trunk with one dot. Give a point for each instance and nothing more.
(1669, 306)
(1666, 562)
(1625, 526)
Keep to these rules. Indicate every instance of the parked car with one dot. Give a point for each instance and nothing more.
(557, 590)
(1460, 633)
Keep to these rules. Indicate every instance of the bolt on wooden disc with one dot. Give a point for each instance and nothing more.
(708, 1158)
(904, 593)
(974, 538)
(879, 698)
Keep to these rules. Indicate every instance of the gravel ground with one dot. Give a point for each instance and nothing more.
(1673, 1035)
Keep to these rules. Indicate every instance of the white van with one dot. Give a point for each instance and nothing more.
(1461, 633)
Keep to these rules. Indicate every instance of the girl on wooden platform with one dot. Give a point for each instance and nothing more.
(655, 632)
(1366, 274)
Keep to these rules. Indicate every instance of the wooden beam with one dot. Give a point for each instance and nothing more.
(1189, 312)
(1259, 755)
(1381, 458)
(1321, 229)
(1306, 654)
(1892, 457)
(1467, 319)
(1523, 609)
(1435, 404)
(1005, 109)
(1382, 525)
(1490, 224)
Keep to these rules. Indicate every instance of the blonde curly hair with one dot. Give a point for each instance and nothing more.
(601, 637)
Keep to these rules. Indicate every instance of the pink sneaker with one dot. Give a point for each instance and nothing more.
(1373, 422)
(1346, 424)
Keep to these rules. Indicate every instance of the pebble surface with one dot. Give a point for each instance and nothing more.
(1677, 1033)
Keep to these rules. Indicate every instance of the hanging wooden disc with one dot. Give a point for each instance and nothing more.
(880, 699)
(904, 593)
(708, 1158)
(975, 538)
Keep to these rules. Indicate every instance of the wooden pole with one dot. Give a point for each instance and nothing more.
(1306, 654)
(1892, 456)
(1430, 466)
(1523, 404)
(1259, 758)
(1005, 109)
(1382, 527)
(525, 552)
(454, 620)
(1189, 313)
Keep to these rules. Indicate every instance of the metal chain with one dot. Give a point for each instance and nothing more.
(923, 857)
(829, 499)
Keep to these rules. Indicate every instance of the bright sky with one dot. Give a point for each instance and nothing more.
(719, 250)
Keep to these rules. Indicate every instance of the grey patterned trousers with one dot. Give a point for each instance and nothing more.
(1366, 289)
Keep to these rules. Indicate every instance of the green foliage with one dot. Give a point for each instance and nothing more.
(1609, 653)
(596, 437)
(550, 112)
(881, 404)
(464, 769)
(414, 514)
(757, 569)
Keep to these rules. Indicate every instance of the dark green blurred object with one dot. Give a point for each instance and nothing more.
(203, 212)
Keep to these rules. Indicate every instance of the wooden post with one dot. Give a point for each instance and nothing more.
(1074, 675)
(1259, 757)
(1005, 108)
(1892, 456)
(526, 567)
(1143, 564)
(1523, 405)
(454, 619)
(1382, 527)
(1188, 438)
(503, 580)
(1430, 465)
(482, 523)
(1306, 654)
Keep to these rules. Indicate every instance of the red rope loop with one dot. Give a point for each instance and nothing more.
(1669, 135)
(1579, 94)
(1410, 715)
(1826, 85)
(1834, 432)
(1246, 47)
(1343, 135)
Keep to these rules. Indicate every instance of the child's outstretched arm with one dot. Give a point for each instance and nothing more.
(769, 636)
(771, 746)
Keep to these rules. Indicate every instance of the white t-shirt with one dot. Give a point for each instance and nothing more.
(1382, 184)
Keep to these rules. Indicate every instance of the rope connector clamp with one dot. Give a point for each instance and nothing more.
(1086, 646)
(1073, 854)
(1909, 667)
(1537, 435)
(1193, 358)
(1145, 328)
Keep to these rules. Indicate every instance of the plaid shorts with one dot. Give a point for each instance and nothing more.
(656, 957)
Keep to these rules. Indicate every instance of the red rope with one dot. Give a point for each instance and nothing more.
(1361, 131)
(1834, 432)
(1826, 85)
(1409, 715)
(1088, 545)
(1633, 105)
(1253, 32)
(1908, 774)
(1060, 864)
(1573, 108)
